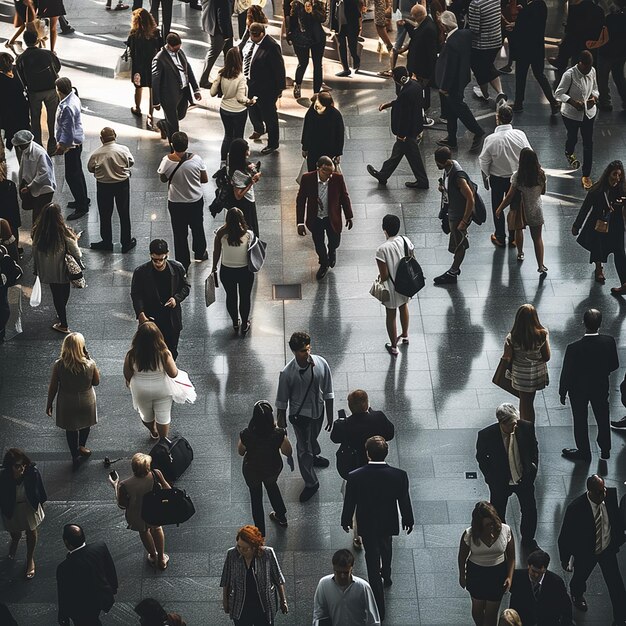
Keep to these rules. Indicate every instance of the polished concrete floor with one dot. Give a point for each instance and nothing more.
(438, 392)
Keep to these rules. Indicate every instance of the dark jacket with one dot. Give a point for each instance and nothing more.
(584, 22)
(587, 365)
(452, 71)
(422, 55)
(38, 68)
(33, 486)
(166, 81)
(376, 492)
(407, 119)
(267, 70)
(357, 428)
(578, 531)
(615, 22)
(145, 295)
(86, 582)
(530, 30)
(338, 201)
(215, 18)
(14, 109)
(493, 459)
(553, 608)
(323, 135)
(305, 29)
(352, 10)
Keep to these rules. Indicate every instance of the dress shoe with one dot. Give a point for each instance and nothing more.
(517, 107)
(376, 174)
(162, 128)
(69, 30)
(619, 424)
(605, 455)
(580, 603)
(496, 242)
(126, 247)
(446, 143)
(507, 69)
(387, 582)
(477, 142)
(448, 278)
(255, 136)
(414, 184)
(574, 454)
(321, 272)
(77, 214)
(201, 257)
(84, 452)
(269, 149)
(74, 205)
(619, 291)
(102, 245)
(308, 493)
(332, 259)
(343, 73)
(320, 461)
(281, 521)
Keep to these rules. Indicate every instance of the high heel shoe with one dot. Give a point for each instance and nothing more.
(30, 573)
(245, 329)
(150, 124)
(136, 111)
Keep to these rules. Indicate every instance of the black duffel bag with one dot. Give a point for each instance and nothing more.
(172, 457)
(162, 507)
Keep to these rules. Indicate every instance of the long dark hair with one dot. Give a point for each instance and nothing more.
(235, 227)
(15, 455)
(529, 172)
(527, 331)
(262, 422)
(602, 184)
(50, 230)
(484, 510)
(148, 349)
(233, 64)
(237, 156)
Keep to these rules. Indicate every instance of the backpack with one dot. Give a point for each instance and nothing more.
(9, 269)
(160, 507)
(409, 276)
(479, 213)
(224, 195)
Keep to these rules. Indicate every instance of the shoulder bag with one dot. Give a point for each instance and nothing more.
(602, 224)
(294, 418)
(516, 218)
(162, 507)
(256, 253)
(168, 179)
(502, 376)
(123, 66)
(74, 271)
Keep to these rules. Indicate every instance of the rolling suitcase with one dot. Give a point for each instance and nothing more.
(172, 457)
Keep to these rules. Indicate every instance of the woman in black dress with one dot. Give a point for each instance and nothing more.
(52, 10)
(24, 12)
(323, 131)
(603, 230)
(144, 41)
(14, 110)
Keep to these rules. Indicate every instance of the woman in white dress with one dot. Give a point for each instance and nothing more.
(388, 256)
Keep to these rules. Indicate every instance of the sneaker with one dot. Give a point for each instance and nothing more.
(574, 163)
(619, 424)
(448, 278)
(428, 121)
(478, 92)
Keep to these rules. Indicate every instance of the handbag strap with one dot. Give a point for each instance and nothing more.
(184, 158)
(156, 483)
(306, 393)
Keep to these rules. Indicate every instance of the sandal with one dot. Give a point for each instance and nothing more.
(357, 543)
(164, 562)
(30, 573)
(152, 560)
(136, 111)
(520, 256)
(403, 340)
(599, 275)
(154, 434)
(60, 329)
(391, 349)
(543, 270)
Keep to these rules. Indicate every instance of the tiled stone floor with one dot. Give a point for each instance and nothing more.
(438, 392)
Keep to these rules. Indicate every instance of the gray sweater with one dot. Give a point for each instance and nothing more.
(50, 267)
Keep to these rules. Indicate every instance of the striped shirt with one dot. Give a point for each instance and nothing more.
(485, 22)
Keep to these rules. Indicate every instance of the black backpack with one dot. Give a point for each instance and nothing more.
(172, 457)
(9, 268)
(409, 276)
(224, 195)
(479, 214)
(161, 507)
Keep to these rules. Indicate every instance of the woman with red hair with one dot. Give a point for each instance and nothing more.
(250, 578)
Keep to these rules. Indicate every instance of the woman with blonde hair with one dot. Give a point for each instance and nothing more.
(510, 617)
(144, 41)
(52, 240)
(527, 348)
(147, 365)
(74, 375)
(130, 493)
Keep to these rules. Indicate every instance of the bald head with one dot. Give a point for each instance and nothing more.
(596, 489)
(418, 13)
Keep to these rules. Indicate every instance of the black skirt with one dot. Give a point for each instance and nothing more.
(50, 8)
(486, 583)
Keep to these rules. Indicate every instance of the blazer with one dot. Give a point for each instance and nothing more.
(376, 492)
(452, 71)
(215, 18)
(323, 134)
(33, 486)
(422, 55)
(554, 607)
(530, 28)
(267, 71)
(166, 81)
(357, 428)
(493, 459)
(407, 119)
(338, 200)
(578, 531)
(145, 295)
(86, 582)
(587, 365)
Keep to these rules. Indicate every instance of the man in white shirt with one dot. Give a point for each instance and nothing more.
(499, 159)
(578, 90)
(342, 598)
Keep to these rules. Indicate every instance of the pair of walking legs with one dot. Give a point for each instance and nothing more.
(535, 234)
(31, 542)
(153, 541)
(392, 329)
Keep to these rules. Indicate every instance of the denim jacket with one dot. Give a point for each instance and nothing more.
(69, 127)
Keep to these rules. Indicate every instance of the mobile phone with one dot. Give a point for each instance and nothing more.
(341, 414)
(258, 167)
(113, 475)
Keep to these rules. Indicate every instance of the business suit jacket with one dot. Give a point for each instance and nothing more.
(578, 531)
(452, 71)
(587, 365)
(376, 491)
(267, 70)
(215, 18)
(407, 119)
(338, 200)
(493, 459)
(422, 55)
(554, 607)
(357, 428)
(166, 81)
(86, 582)
(530, 29)
(145, 295)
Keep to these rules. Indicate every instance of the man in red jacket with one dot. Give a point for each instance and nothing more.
(322, 197)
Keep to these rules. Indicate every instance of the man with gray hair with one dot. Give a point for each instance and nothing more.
(508, 456)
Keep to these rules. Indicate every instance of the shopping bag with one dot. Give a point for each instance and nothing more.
(210, 285)
(123, 66)
(35, 296)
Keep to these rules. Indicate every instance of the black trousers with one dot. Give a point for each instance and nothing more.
(187, 216)
(608, 66)
(521, 74)
(600, 407)
(378, 553)
(217, 45)
(5, 310)
(457, 109)
(321, 227)
(349, 34)
(75, 178)
(107, 194)
(237, 283)
(256, 499)
(408, 148)
(252, 618)
(166, 10)
(583, 566)
(264, 117)
(234, 126)
(60, 297)
(170, 334)
(499, 185)
(586, 132)
(174, 112)
(76, 439)
(619, 259)
(317, 53)
(499, 497)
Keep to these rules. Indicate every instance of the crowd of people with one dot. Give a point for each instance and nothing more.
(447, 45)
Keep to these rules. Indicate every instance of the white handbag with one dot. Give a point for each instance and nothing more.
(35, 296)
(379, 291)
(123, 66)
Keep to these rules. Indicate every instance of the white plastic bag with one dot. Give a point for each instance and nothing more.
(35, 296)
(181, 388)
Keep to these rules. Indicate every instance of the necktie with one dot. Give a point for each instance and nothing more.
(247, 61)
(536, 591)
(515, 473)
(598, 521)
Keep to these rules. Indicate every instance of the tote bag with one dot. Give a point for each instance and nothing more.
(123, 66)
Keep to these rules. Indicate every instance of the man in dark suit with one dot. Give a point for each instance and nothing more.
(86, 580)
(264, 67)
(587, 366)
(508, 456)
(376, 490)
(538, 595)
(217, 24)
(591, 534)
(452, 74)
(321, 199)
(407, 124)
(173, 83)
(157, 289)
